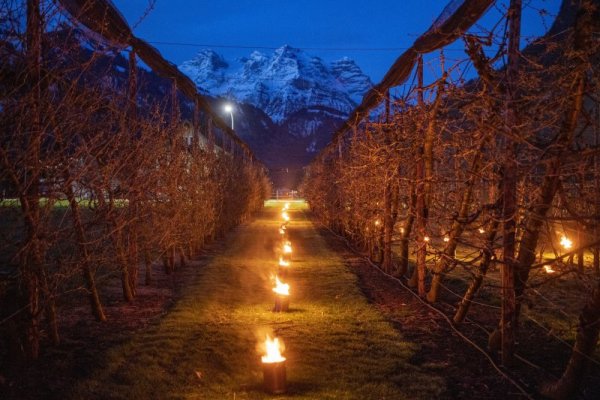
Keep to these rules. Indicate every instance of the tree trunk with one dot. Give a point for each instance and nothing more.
(475, 285)
(388, 228)
(121, 253)
(165, 260)
(88, 276)
(32, 257)
(585, 343)
(537, 214)
(405, 235)
(420, 271)
(50, 309)
(148, 264)
(509, 189)
(456, 231)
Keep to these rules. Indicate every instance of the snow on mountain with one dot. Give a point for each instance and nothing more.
(281, 83)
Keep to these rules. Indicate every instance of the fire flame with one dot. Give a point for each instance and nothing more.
(281, 231)
(283, 263)
(273, 351)
(285, 216)
(481, 230)
(281, 288)
(549, 269)
(426, 238)
(377, 222)
(566, 243)
(446, 239)
(286, 206)
(287, 248)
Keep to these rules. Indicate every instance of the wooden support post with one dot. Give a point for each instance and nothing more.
(509, 194)
(421, 217)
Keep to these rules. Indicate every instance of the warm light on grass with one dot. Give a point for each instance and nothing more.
(341, 345)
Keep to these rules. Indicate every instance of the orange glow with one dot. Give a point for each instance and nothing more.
(481, 230)
(426, 238)
(446, 239)
(285, 216)
(283, 263)
(281, 288)
(566, 243)
(287, 248)
(549, 269)
(377, 222)
(281, 231)
(273, 351)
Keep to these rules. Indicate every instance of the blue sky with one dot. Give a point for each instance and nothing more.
(372, 33)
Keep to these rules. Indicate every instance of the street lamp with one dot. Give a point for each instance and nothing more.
(229, 109)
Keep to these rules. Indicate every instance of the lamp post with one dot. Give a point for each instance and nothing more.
(229, 109)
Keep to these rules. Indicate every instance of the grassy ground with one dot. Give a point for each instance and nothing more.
(338, 345)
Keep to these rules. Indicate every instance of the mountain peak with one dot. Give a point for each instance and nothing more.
(287, 50)
(281, 83)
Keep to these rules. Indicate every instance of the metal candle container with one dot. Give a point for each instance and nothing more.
(274, 377)
(282, 303)
(273, 364)
(282, 294)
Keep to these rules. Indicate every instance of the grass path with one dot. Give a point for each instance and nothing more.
(338, 345)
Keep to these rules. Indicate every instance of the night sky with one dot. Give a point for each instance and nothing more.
(373, 35)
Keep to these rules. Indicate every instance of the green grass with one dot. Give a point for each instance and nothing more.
(58, 203)
(338, 345)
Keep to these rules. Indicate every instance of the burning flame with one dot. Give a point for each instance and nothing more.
(377, 222)
(446, 239)
(281, 288)
(281, 231)
(549, 269)
(273, 351)
(426, 238)
(481, 230)
(566, 243)
(285, 216)
(287, 248)
(283, 263)
(286, 206)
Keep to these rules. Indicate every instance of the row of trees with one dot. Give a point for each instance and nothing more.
(488, 173)
(104, 170)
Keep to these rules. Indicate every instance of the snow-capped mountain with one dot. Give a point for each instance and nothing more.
(282, 84)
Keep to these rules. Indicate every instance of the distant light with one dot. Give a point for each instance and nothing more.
(426, 238)
(228, 108)
(549, 269)
(446, 239)
(566, 243)
(481, 230)
(377, 222)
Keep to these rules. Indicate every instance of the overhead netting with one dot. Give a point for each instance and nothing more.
(103, 18)
(456, 18)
